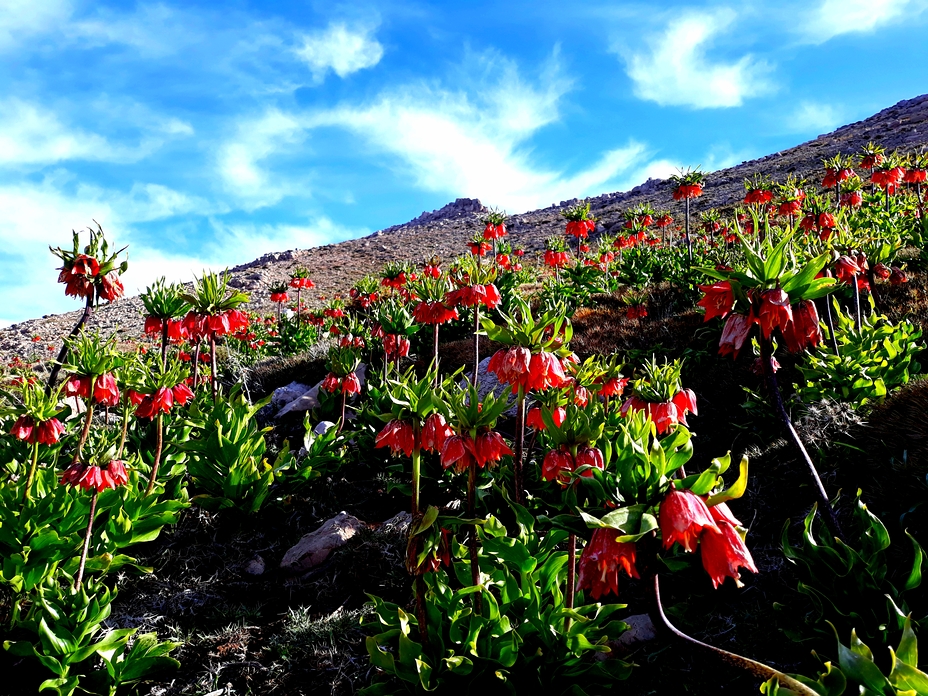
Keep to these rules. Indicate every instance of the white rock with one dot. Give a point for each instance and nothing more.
(316, 546)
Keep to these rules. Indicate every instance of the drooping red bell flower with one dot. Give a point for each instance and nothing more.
(664, 414)
(556, 259)
(557, 465)
(99, 478)
(790, 208)
(898, 276)
(280, 297)
(479, 248)
(433, 313)
(852, 199)
(395, 346)
(545, 371)
(915, 176)
(457, 451)
(111, 287)
(493, 231)
(434, 432)
(881, 271)
(432, 270)
(78, 386)
(511, 365)
(775, 311)
(614, 386)
(580, 228)
(601, 560)
(182, 394)
(589, 456)
(23, 428)
(351, 384)
(152, 325)
(105, 391)
(685, 401)
(718, 301)
(398, 436)
(330, 384)
(683, 517)
(489, 448)
(533, 418)
(160, 401)
(804, 331)
(685, 191)
(724, 553)
(846, 269)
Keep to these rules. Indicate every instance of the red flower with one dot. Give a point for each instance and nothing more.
(78, 386)
(471, 295)
(534, 420)
(685, 401)
(545, 370)
(434, 432)
(601, 560)
(23, 428)
(790, 208)
(489, 448)
(96, 477)
(398, 436)
(758, 196)
(280, 297)
(898, 276)
(492, 231)
(683, 517)
(458, 451)
(152, 325)
(804, 331)
(685, 191)
(580, 228)
(182, 394)
(433, 313)
(395, 346)
(48, 432)
(613, 387)
(557, 464)
(111, 287)
(330, 384)
(846, 269)
(160, 401)
(664, 414)
(718, 301)
(592, 457)
(775, 311)
(351, 384)
(479, 248)
(503, 261)
(105, 390)
(915, 176)
(724, 553)
(852, 199)
(432, 270)
(881, 271)
(511, 365)
(556, 259)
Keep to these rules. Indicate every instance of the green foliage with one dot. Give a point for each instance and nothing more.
(227, 462)
(519, 641)
(67, 623)
(870, 363)
(851, 583)
(164, 301)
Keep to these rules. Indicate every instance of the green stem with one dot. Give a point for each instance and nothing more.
(85, 433)
(159, 443)
(32, 469)
(517, 482)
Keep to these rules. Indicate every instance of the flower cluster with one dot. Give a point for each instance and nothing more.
(102, 389)
(664, 414)
(44, 432)
(349, 384)
(461, 450)
(99, 478)
(519, 367)
(203, 326)
(601, 560)
(559, 463)
(471, 295)
(161, 400)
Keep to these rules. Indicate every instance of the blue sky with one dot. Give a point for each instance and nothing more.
(204, 134)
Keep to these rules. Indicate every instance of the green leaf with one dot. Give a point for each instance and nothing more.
(427, 520)
(915, 575)
(908, 645)
(736, 490)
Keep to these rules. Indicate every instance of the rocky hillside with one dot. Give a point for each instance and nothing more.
(335, 267)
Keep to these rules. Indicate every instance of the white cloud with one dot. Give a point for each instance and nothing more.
(256, 140)
(814, 117)
(20, 20)
(340, 48)
(835, 17)
(675, 70)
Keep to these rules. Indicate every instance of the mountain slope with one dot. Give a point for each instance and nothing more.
(335, 267)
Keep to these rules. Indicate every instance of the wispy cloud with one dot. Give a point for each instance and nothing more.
(340, 48)
(21, 20)
(674, 68)
(814, 117)
(831, 18)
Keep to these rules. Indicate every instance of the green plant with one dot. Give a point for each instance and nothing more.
(870, 362)
(852, 583)
(227, 462)
(524, 638)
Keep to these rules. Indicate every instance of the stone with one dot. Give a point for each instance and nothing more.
(399, 522)
(640, 630)
(255, 566)
(284, 395)
(309, 399)
(316, 546)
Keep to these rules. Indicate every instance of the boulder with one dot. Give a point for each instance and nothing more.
(309, 399)
(316, 546)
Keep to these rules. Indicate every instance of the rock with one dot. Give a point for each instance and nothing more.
(309, 399)
(284, 395)
(322, 427)
(316, 546)
(641, 630)
(487, 383)
(255, 566)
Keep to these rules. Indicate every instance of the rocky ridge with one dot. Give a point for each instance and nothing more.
(336, 267)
